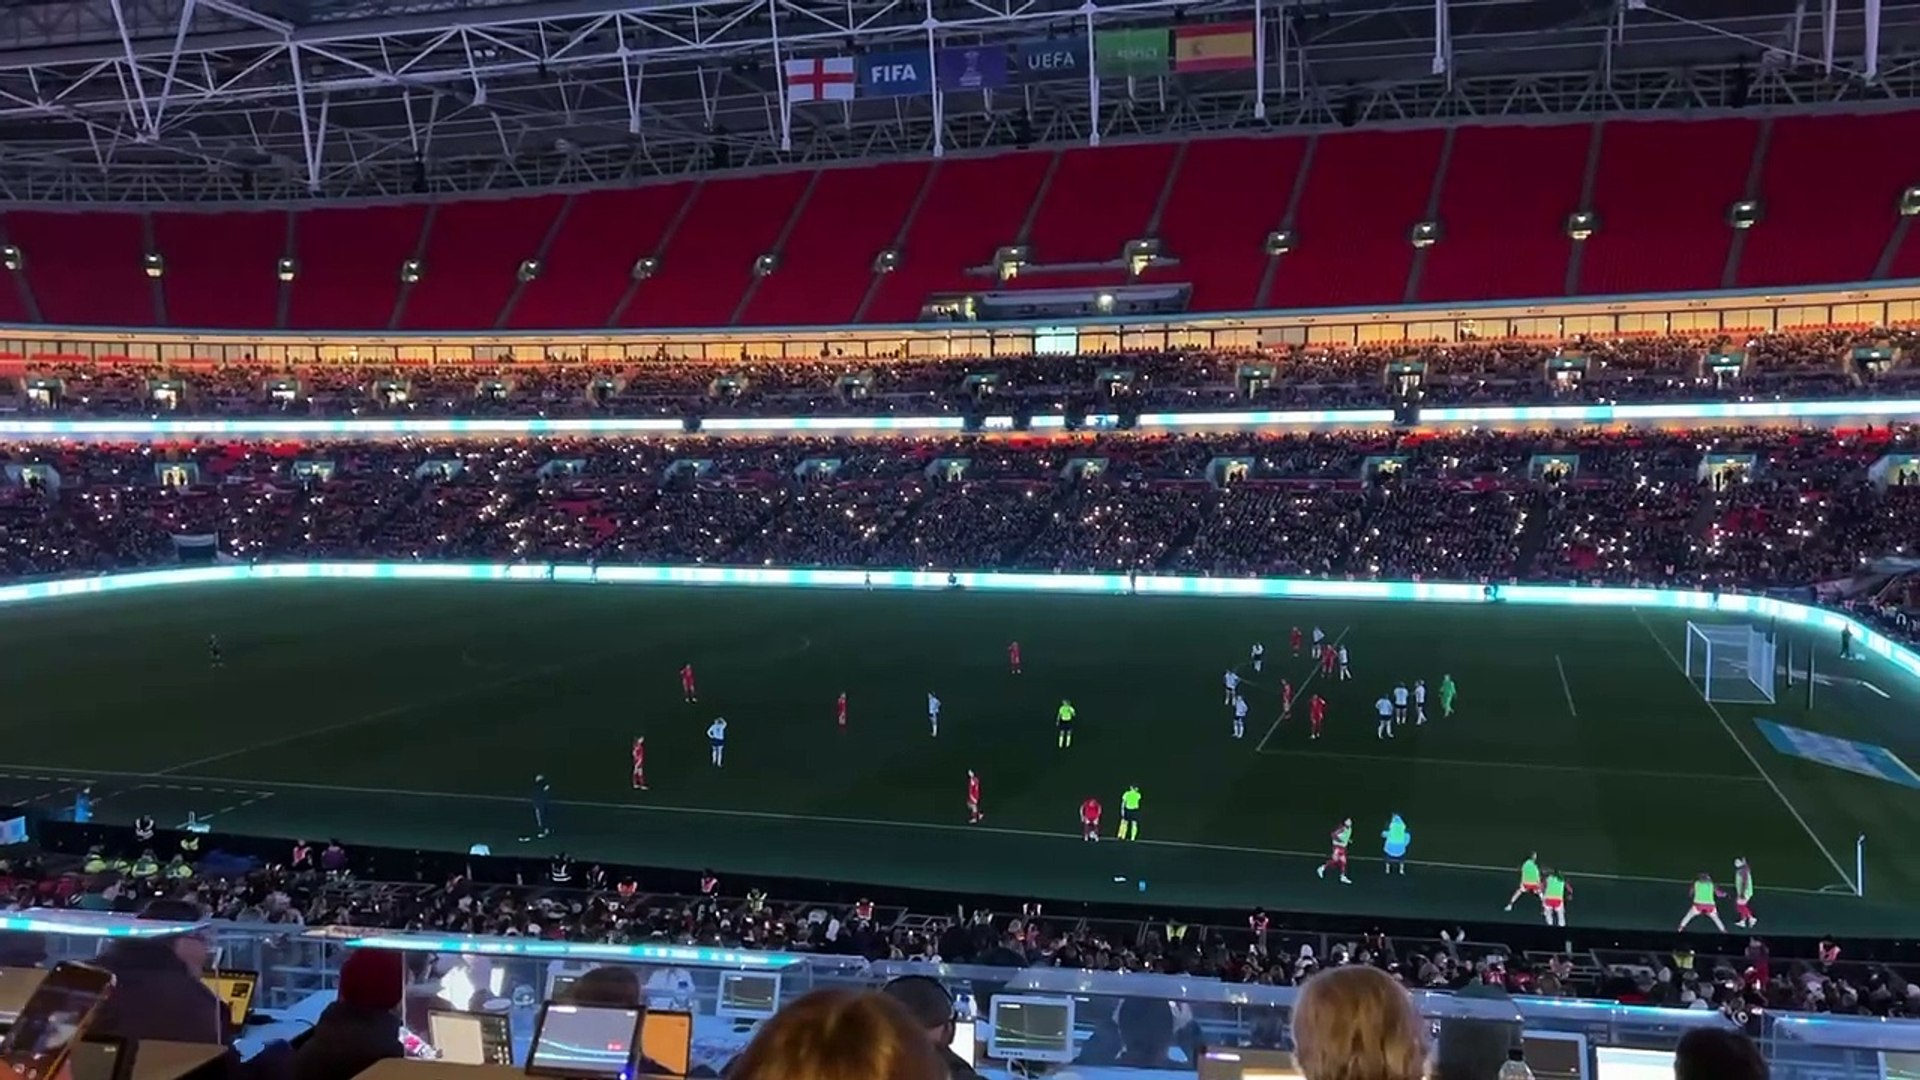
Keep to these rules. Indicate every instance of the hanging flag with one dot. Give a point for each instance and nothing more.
(1213, 47)
(1131, 52)
(896, 74)
(1052, 58)
(972, 67)
(820, 78)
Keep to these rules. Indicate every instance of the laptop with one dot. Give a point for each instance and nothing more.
(588, 1042)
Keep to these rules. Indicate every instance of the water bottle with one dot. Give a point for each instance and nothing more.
(1515, 1067)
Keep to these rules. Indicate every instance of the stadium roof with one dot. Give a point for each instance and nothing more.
(191, 100)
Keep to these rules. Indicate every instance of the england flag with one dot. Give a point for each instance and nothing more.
(826, 78)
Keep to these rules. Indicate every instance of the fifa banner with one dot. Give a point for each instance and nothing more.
(1131, 53)
(896, 74)
(971, 67)
(1054, 58)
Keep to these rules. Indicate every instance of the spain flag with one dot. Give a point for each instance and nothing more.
(1213, 47)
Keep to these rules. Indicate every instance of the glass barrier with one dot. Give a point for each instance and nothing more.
(1141, 1024)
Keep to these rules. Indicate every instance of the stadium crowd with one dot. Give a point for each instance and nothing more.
(1731, 508)
(1776, 366)
(601, 904)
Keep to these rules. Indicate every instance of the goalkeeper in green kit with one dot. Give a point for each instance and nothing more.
(1447, 690)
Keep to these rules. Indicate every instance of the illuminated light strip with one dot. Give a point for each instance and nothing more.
(833, 423)
(1289, 418)
(773, 425)
(345, 428)
(1730, 410)
(79, 924)
(1758, 607)
(560, 950)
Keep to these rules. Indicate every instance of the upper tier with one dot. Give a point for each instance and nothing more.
(802, 247)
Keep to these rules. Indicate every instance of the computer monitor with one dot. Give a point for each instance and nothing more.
(666, 1038)
(966, 1042)
(1031, 1029)
(1248, 1064)
(1555, 1055)
(1625, 1063)
(471, 1038)
(584, 1041)
(235, 991)
(1899, 1065)
(749, 995)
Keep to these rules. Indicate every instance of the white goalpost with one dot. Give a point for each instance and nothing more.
(1731, 662)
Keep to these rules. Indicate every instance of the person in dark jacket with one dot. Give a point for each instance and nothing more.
(157, 991)
(932, 1008)
(362, 1026)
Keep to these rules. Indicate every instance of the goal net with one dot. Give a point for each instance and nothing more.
(1730, 662)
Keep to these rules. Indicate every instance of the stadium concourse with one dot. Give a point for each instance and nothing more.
(1811, 363)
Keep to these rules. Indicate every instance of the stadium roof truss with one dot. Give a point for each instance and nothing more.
(213, 100)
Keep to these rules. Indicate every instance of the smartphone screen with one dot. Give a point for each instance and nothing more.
(54, 1019)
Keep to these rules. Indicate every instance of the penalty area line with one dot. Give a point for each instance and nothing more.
(284, 788)
(1852, 886)
(1564, 687)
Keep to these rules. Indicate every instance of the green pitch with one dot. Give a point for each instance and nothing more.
(415, 714)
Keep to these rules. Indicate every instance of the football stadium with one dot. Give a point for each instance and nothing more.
(1339, 539)
(1576, 733)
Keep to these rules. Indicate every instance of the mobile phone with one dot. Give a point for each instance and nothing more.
(55, 1019)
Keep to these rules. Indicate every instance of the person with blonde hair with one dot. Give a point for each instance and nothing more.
(840, 1035)
(1357, 1023)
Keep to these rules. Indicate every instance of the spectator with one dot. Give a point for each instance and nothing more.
(1474, 1049)
(1357, 1023)
(615, 986)
(618, 987)
(932, 1008)
(157, 991)
(1717, 1054)
(840, 1035)
(362, 1026)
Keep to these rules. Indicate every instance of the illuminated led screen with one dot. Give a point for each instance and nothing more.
(357, 427)
(1757, 607)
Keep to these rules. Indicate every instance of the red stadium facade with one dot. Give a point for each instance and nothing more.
(807, 247)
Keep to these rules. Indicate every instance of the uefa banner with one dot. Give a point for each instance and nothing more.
(896, 74)
(971, 67)
(1131, 53)
(1053, 58)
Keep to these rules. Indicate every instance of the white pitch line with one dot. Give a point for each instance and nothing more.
(1751, 759)
(1298, 694)
(1568, 690)
(1518, 766)
(284, 786)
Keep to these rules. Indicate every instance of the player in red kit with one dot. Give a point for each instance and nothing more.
(686, 684)
(640, 763)
(1317, 713)
(1294, 639)
(973, 799)
(1090, 820)
(1326, 659)
(1286, 699)
(840, 710)
(1013, 657)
